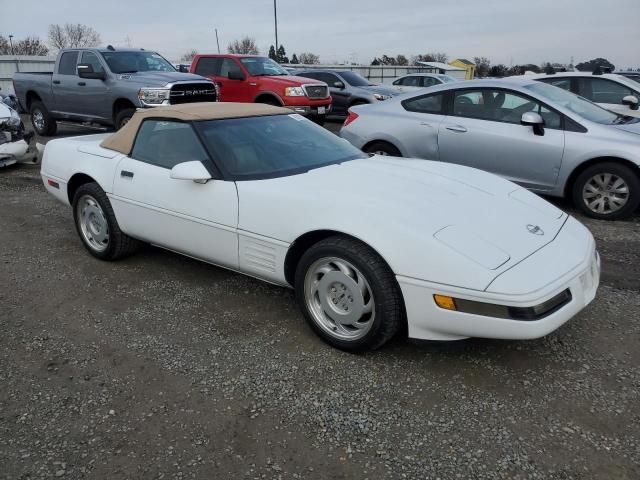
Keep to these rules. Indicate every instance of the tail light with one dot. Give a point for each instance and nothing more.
(350, 118)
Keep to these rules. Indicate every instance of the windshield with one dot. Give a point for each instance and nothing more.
(260, 66)
(576, 104)
(446, 78)
(132, 62)
(273, 146)
(354, 79)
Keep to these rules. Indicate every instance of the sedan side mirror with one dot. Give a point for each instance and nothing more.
(235, 75)
(533, 119)
(85, 70)
(631, 101)
(194, 171)
(339, 85)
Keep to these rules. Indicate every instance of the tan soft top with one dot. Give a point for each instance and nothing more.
(122, 140)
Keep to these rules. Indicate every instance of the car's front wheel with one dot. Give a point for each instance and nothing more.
(41, 120)
(97, 225)
(382, 148)
(123, 117)
(348, 294)
(607, 191)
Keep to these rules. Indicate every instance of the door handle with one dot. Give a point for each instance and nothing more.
(456, 128)
(56, 82)
(126, 174)
(82, 84)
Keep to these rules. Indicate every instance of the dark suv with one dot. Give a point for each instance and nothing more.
(348, 88)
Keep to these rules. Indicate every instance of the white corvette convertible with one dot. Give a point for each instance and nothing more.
(368, 243)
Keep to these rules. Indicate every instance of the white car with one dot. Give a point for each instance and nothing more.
(609, 90)
(415, 81)
(369, 243)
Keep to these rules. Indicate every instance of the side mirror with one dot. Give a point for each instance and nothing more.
(235, 75)
(194, 171)
(533, 119)
(183, 68)
(631, 101)
(339, 85)
(85, 70)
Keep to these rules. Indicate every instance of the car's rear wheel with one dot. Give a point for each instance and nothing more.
(41, 120)
(348, 294)
(97, 225)
(123, 117)
(607, 191)
(382, 148)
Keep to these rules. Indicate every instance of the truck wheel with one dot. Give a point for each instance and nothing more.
(42, 122)
(123, 117)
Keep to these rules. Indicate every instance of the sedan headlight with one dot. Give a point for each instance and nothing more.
(379, 96)
(13, 121)
(294, 92)
(154, 96)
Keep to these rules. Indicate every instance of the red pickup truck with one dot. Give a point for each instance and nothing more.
(250, 78)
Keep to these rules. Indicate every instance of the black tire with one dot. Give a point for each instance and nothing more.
(123, 116)
(119, 244)
(388, 308)
(319, 119)
(382, 148)
(621, 171)
(47, 127)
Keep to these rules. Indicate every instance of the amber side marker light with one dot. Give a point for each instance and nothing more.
(445, 302)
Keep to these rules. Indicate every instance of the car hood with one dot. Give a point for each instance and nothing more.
(429, 220)
(633, 127)
(160, 79)
(381, 89)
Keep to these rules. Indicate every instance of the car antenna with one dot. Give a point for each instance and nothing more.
(110, 47)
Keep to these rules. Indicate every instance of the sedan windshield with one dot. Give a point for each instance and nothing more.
(273, 146)
(578, 105)
(132, 62)
(262, 66)
(446, 78)
(354, 79)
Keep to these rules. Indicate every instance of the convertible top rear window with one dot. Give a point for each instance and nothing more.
(272, 146)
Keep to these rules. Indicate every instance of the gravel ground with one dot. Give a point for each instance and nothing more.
(159, 366)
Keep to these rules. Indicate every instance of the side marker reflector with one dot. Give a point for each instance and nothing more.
(53, 184)
(448, 303)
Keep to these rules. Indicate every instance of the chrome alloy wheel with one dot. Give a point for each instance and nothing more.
(605, 193)
(37, 118)
(339, 298)
(93, 223)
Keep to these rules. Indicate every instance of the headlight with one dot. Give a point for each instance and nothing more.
(379, 96)
(154, 96)
(294, 92)
(13, 120)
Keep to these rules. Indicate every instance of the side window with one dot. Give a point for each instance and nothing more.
(500, 106)
(411, 81)
(564, 83)
(327, 78)
(67, 65)
(167, 144)
(601, 90)
(227, 66)
(208, 66)
(429, 81)
(91, 58)
(425, 104)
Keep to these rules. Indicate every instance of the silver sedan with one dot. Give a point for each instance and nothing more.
(539, 136)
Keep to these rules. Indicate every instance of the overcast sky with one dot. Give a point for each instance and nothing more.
(506, 31)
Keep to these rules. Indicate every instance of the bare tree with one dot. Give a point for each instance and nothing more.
(245, 46)
(308, 58)
(483, 65)
(188, 56)
(401, 60)
(440, 57)
(30, 46)
(73, 36)
(5, 48)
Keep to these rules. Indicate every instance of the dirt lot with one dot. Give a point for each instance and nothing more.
(159, 366)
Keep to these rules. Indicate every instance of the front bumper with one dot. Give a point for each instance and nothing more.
(429, 322)
(310, 110)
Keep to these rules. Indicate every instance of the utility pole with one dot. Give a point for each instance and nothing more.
(217, 41)
(275, 19)
(13, 53)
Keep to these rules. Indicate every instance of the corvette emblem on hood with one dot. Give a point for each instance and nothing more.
(535, 229)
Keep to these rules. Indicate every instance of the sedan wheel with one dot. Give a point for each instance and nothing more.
(382, 148)
(607, 191)
(348, 294)
(92, 223)
(339, 298)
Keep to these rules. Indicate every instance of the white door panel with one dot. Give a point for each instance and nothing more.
(199, 220)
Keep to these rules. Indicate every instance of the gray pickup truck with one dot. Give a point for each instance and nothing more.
(105, 87)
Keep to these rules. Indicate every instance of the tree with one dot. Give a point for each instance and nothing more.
(483, 65)
(294, 60)
(375, 61)
(592, 65)
(431, 57)
(72, 36)
(188, 56)
(272, 53)
(402, 61)
(5, 48)
(440, 57)
(548, 69)
(245, 46)
(281, 55)
(308, 58)
(498, 71)
(27, 46)
(387, 60)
